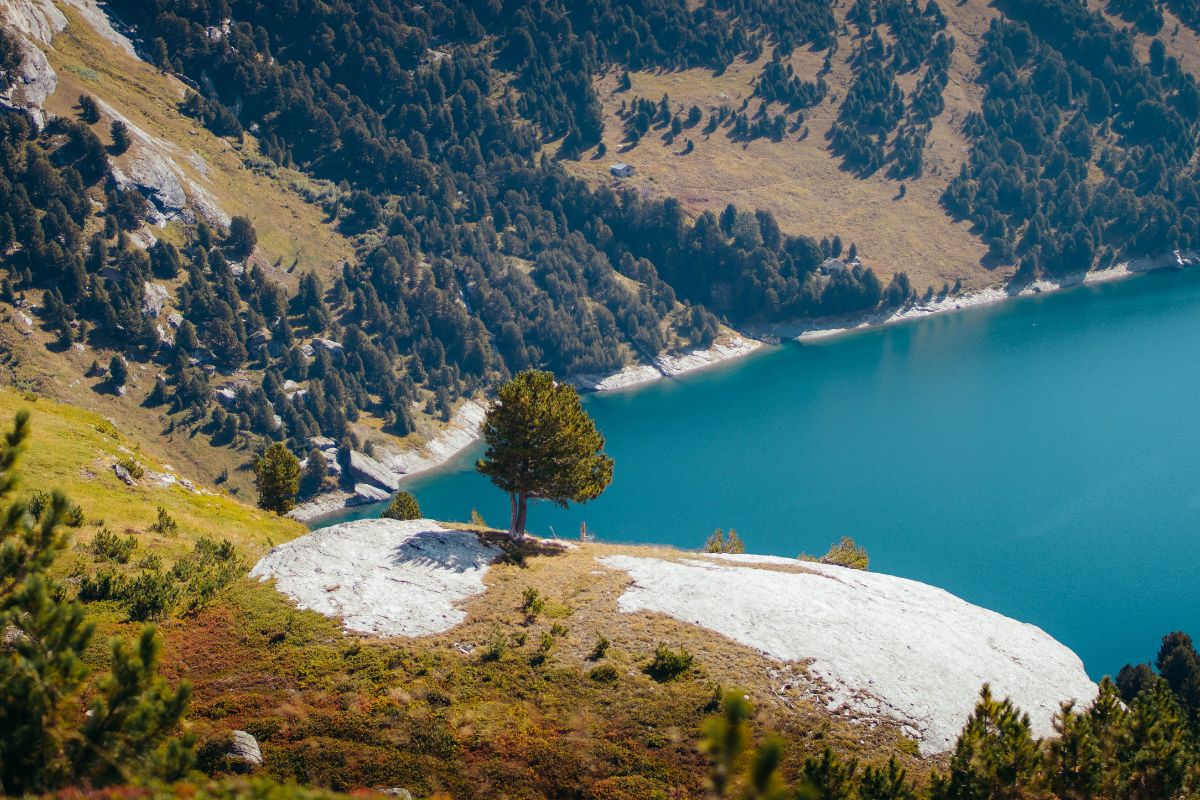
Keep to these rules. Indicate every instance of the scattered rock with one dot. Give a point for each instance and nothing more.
(366, 493)
(319, 442)
(397, 791)
(226, 396)
(244, 749)
(154, 296)
(329, 346)
(123, 475)
(368, 470)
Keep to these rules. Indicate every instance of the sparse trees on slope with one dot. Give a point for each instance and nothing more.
(542, 445)
(277, 477)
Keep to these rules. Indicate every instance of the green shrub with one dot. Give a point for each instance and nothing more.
(600, 649)
(543, 650)
(403, 506)
(496, 647)
(165, 525)
(843, 554)
(604, 673)
(131, 465)
(718, 543)
(667, 664)
(532, 602)
(558, 630)
(74, 516)
(208, 570)
(37, 502)
(108, 546)
(104, 585)
(149, 561)
(151, 595)
(193, 583)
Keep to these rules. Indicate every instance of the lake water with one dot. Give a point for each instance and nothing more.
(1039, 457)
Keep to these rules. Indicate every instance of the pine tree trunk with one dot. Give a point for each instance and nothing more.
(516, 527)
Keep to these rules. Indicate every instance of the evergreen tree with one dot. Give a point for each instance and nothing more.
(242, 237)
(542, 445)
(118, 372)
(46, 742)
(89, 111)
(995, 758)
(120, 137)
(403, 506)
(314, 474)
(277, 477)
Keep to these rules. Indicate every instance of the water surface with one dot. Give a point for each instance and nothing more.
(1038, 457)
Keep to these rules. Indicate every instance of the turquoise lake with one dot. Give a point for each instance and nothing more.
(1039, 457)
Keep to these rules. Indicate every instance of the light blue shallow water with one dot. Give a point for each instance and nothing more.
(1040, 458)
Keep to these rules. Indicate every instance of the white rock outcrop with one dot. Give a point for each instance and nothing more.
(460, 433)
(368, 470)
(382, 576)
(36, 22)
(880, 645)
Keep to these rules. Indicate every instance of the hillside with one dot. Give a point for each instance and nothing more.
(423, 210)
(429, 713)
(504, 693)
(539, 669)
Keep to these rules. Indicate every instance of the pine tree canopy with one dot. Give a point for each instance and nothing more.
(277, 476)
(542, 445)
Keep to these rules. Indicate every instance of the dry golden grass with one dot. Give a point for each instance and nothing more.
(798, 179)
(581, 595)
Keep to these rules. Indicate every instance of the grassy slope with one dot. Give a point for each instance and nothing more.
(798, 179)
(431, 714)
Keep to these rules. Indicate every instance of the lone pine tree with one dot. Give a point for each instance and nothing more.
(542, 445)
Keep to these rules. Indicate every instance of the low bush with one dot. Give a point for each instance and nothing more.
(599, 649)
(135, 470)
(843, 554)
(667, 664)
(719, 543)
(108, 546)
(190, 585)
(604, 673)
(151, 595)
(532, 602)
(165, 525)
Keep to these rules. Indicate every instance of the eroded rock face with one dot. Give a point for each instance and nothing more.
(368, 470)
(35, 22)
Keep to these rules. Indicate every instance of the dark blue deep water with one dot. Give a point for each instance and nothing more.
(1040, 458)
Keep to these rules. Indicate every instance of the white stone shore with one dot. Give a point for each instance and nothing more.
(879, 646)
(819, 329)
(382, 576)
(874, 647)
